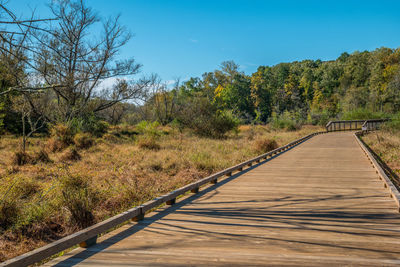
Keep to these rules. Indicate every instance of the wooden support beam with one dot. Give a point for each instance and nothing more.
(214, 181)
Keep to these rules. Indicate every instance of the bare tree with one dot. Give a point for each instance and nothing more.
(163, 101)
(75, 63)
(28, 118)
(15, 49)
(64, 59)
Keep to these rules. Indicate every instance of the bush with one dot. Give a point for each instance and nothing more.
(21, 158)
(111, 138)
(393, 125)
(204, 119)
(61, 137)
(79, 199)
(89, 124)
(224, 122)
(263, 145)
(287, 121)
(41, 156)
(83, 140)
(148, 142)
(71, 155)
(149, 128)
(363, 114)
(9, 213)
(319, 118)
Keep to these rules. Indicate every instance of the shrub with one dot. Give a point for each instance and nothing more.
(41, 156)
(287, 120)
(265, 145)
(149, 128)
(224, 122)
(21, 158)
(71, 155)
(62, 136)
(110, 138)
(204, 119)
(79, 199)
(9, 213)
(362, 114)
(319, 118)
(89, 124)
(83, 140)
(393, 125)
(148, 142)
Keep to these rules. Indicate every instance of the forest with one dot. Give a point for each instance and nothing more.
(359, 85)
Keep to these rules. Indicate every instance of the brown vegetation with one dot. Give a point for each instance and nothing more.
(117, 172)
(386, 145)
(265, 145)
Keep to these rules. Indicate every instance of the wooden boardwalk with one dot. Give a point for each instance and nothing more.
(320, 203)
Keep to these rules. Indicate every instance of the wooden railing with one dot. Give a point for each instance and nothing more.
(346, 125)
(88, 236)
(394, 193)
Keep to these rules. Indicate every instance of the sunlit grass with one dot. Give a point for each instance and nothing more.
(386, 144)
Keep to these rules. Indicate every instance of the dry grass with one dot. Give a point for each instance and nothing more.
(122, 172)
(386, 145)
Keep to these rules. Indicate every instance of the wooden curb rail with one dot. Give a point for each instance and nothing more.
(394, 193)
(87, 236)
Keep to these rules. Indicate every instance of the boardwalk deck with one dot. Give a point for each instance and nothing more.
(320, 203)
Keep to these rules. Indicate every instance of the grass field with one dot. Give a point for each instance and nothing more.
(70, 189)
(386, 144)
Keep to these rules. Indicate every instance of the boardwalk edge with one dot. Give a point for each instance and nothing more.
(394, 193)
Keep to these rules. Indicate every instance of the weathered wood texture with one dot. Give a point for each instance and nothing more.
(320, 203)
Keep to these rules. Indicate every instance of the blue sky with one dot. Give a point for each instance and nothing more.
(189, 37)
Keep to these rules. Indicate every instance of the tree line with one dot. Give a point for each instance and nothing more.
(53, 71)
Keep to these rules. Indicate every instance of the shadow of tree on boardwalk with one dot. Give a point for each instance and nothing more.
(291, 213)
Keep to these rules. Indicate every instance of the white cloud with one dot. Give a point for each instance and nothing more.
(193, 40)
(107, 83)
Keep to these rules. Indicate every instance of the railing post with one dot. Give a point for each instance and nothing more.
(139, 217)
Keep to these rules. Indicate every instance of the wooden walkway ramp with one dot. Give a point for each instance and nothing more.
(320, 203)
